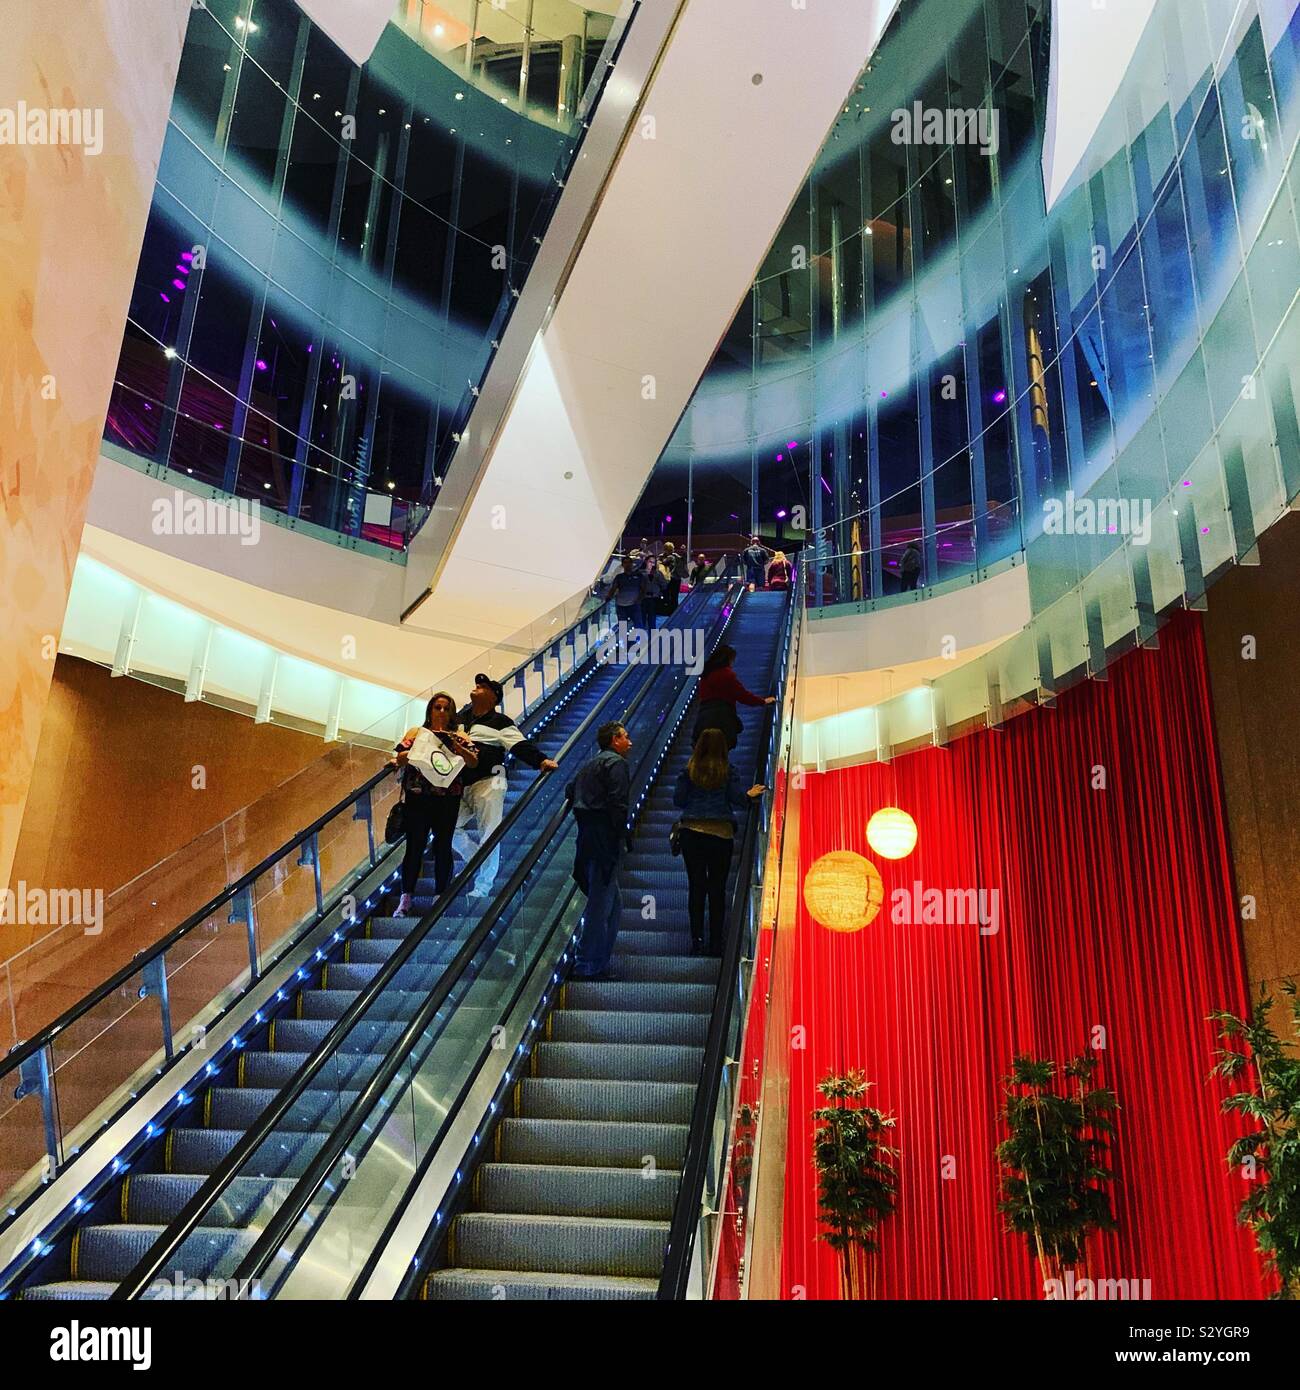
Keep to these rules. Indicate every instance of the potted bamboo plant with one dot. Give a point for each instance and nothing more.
(1055, 1160)
(857, 1185)
(1270, 1152)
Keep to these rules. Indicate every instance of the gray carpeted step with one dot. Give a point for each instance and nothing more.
(306, 1034)
(82, 1291)
(668, 969)
(598, 1026)
(569, 1098)
(607, 1143)
(200, 1150)
(316, 1004)
(158, 1198)
(560, 1244)
(112, 1252)
(511, 1284)
(376, 950)
(653, 939)
(638, 996)
(557, 1190)
(274, 1070)
(239, 1107)
(418, 976)
(622, 1061)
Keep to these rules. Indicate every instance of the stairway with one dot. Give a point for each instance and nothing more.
(576, 1200)
(119, 1228)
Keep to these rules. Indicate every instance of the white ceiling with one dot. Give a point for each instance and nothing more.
(685, 219)
(1100, 40)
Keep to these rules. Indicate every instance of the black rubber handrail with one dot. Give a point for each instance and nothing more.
(690, 1187)
(291, 1210)
(65, 1020)
(25, 1050)
(190, 1216)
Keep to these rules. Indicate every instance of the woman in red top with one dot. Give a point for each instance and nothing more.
(778, 572)
(719, 693)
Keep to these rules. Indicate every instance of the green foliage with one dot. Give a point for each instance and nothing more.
(857, 1185)
(1056, 1158)
(1272, 1148)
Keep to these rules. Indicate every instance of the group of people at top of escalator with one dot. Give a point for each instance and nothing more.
(648, 583)
(709, 797)
(453, 769)
(647, 586)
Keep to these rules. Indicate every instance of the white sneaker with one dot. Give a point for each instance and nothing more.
(404, 905)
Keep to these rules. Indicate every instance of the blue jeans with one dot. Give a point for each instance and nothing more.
(599, 921)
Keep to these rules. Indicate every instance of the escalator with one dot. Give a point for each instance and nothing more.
(517, 1135)
(524, 1136)
(577, 1198)
(335, 1016)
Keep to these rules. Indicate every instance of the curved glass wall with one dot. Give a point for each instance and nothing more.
(931, 362)
(332, 251)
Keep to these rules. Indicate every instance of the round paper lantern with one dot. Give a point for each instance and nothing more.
(843, 891)
(891, 833)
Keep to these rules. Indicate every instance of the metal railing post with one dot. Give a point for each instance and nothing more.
(154, 978)
(37, 1074)
(364, 809)
(241, 906)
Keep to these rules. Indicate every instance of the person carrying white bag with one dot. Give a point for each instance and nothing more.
(434, 759)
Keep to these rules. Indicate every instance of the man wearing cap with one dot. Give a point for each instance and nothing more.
(496, 736)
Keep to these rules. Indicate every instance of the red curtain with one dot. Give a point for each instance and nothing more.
(1116, 913)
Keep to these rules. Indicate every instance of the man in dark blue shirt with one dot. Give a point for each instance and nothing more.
(755, 556)
(599, 796)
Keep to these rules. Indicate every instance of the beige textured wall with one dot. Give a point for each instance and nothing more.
(71, 223)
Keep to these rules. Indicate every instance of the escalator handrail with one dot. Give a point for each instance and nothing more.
(114, 982)
(292, 1208)
(690, 1187)
(23, 1051)
(190, 1216)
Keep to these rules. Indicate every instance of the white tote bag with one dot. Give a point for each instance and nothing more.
(430, 758)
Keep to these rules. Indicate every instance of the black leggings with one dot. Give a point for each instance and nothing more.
(707, 858)
(424, 814)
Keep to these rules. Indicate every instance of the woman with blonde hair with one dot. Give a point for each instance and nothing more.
(709, 797)
(778, 572)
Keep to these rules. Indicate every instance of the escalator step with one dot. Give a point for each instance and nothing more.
(112, 1252)
(229, 1107)
(599, 1026)
(619, 1061)
(488, 1284)
(376, 950)
(635, 966)
(562, 1191)
(569, 1098)
(80, 1291)
(638, 996)
(608, 1143)
(561, 1244)
(200, 1150)
(332, 1003)
(305, 1034)
(668, 940)
(273, 1070)
(158, 1198)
